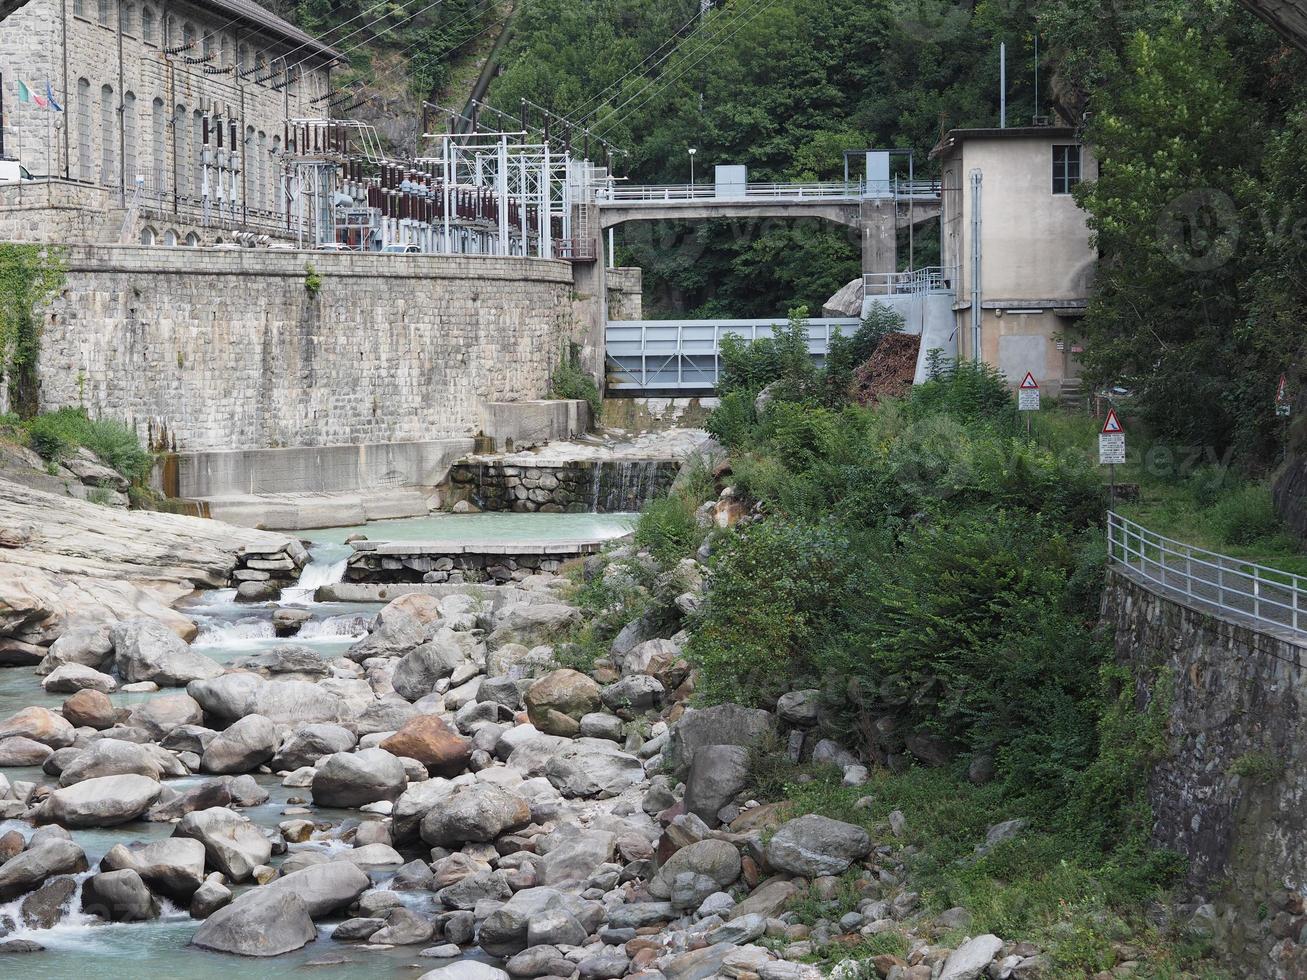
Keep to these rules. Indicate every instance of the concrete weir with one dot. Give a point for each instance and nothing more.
(377, 562)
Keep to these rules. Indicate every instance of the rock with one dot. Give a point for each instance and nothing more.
(287, 621)
(307, 745)
(970, 960)
(209, 897)
(714, 860)
(159, 716)
(232, 844)
(698, 964)
(716, 775)
(418, 671)
(475, 888)
(376, 853)
(740, 930)
(640, 914)
(226, 698)
(146, 650)
(244, 746)
(41, 861)
(291, 660)
(387, 715)
(433, 743)
(609, 963)
(401, 626)
(593, 768)
(112, 757)
(173, 867)
(300, 703)
(466, 970)
(261, 922)
(324, 888)
(403, 928)
(40, 725)
(556, 702)
(633, 695)
(768, 899)
(356, 930)
(930, 750)
(18, 946)
(573, 857)
(532, 624)
(722, 724)
(981, 769)
(539, 961)
(503, 933)
(999, 833)
(830, 753)
(515, 660)
(812, 846)
(90, 709)
(351, 779)
(71, 678)
(119, 896)
(480, 812)
(554, 927)
(104, 801)
(799, 707)
(42, 908)
(18, 750)
(854, 775)
(599, 724)
(84, 642)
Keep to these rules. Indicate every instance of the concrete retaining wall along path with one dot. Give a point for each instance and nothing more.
(206, 349)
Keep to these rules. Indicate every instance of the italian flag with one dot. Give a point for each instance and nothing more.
(25, 94)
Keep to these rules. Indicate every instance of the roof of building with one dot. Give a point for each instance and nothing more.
(955, 137)
(250, 11)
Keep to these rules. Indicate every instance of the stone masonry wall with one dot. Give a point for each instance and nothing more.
(1229, 793)
(230, 350)
(610, 486)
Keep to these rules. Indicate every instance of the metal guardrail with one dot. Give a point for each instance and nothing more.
(920, 190)
(683, 355)
(1225, 585)
(930, 279)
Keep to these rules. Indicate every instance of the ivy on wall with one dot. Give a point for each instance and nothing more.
(29, 276)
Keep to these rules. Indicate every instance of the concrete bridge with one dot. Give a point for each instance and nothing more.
(877, 208)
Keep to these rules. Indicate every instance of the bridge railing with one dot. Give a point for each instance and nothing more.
(914, 282)
(812, 191)
(1228, 586)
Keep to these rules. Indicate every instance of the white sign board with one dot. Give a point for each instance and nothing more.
(1282, 410)
(1111, 448)
(1028, 400)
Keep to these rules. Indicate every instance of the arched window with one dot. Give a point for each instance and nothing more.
(158, 144)
(127, 18)
(275, 166)
(251, 183)
(192, 239)
(148, 235)
(129, 139)
(197, 164)
(227, 49)
(188, 36)
(261, 154)
(242, 57)
(260, 66)
(108, 137)
(103, 10)
(182, 147)
(85, 132)
(147, 25)
(170, 34)
(208, 45)
(170, 238)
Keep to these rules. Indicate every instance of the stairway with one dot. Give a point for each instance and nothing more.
(1074, 398)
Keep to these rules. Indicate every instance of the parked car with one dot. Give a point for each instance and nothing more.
(334, 247)
(11, 172)
(402, 249)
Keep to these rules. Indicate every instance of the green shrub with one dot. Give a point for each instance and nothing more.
(667, 528)
(732, 420)
(783, 357)
(1245, 515)
(847, 354)
(56, 435)
(572, 381)
(969, 391)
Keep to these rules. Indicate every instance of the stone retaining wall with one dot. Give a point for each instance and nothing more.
(378, 563)
(580, 487)
(232, 349)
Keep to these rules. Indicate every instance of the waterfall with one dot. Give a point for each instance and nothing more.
(628, 484)
(327, 563)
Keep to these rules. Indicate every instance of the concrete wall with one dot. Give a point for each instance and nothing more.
(625, 293)
(206, 350)
(1227, 794)
(928, 316)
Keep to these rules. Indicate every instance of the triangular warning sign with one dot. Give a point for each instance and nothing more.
(1280, 391)
(1113, 424)
(1029, 383)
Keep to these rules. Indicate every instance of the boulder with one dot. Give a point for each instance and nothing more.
(307, 745)
(480, 812)
(407, 813)
(104, 801)
(226, 698)
(261, 922)
(813, 846)
(418, 671)
(299, 703)
(209, 897)
(592, 767)
(403, 928)
(573, 856)
(18, 750)
(971, 960)
(503, 933)
(433, 743)
(173, 867)
(515, 660)
(40, 725)
(722, 724)
(84, 642)
(324, 888)
(799, 707)
(712, 859)
(90, 709)
(633, 695)
(111, 757)
(466, 970)
(146, 650)
(401, 626)
(352, 779)
(644, 656)
(387, 715)
(532, 624)
(41, 861)
(303, 662)
(159, 716)
(119, 896)
(232, 844)
(71, 678)
(556, 702)
(716, 775)
(246, 745)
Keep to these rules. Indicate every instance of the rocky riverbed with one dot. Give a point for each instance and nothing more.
(428, 792)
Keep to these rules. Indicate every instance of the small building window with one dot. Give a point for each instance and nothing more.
(148, 235)
(147, 26)
(170, 238)
(103, 11)
(188, 37)
(79, 8)
(127, 18)
(1066, 168)
(192, 240)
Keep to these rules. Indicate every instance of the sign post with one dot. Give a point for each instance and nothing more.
(1028, 398)
(1282, 409)
(1111, 448)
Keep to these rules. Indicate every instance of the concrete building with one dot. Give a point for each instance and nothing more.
(1016, 248)
(142, 85)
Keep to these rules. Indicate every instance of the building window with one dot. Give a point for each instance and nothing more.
(79, 8)
(192, 240)
(158, 137)
(188, 36)
(127, 19)
(129, 138)
(108, 137)
(1066, 168)
(147, 26)
(197, 142)
(85, 135)
(170, 238)
(181, 148)
(148, 235)
(261, 154)
(242, 58)
(103, 11)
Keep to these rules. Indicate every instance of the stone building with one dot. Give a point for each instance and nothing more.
(1016, 248)
(140, 83)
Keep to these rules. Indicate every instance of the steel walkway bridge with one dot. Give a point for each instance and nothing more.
(682, 357)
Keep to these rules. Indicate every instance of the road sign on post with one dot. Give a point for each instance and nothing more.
(1282, 408)
(1111, 448)
(1028, 394)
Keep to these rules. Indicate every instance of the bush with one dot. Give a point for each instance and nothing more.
(847, 354)
(56, 435)
(667, 528)
(733, 420)
(782, 358)
(571, 381)
(1246, 515)
(967, 391)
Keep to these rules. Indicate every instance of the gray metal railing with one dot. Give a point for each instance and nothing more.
(920, 190)
(1227, 586)
(929, 279)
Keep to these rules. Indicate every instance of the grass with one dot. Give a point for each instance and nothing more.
(55, 436)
